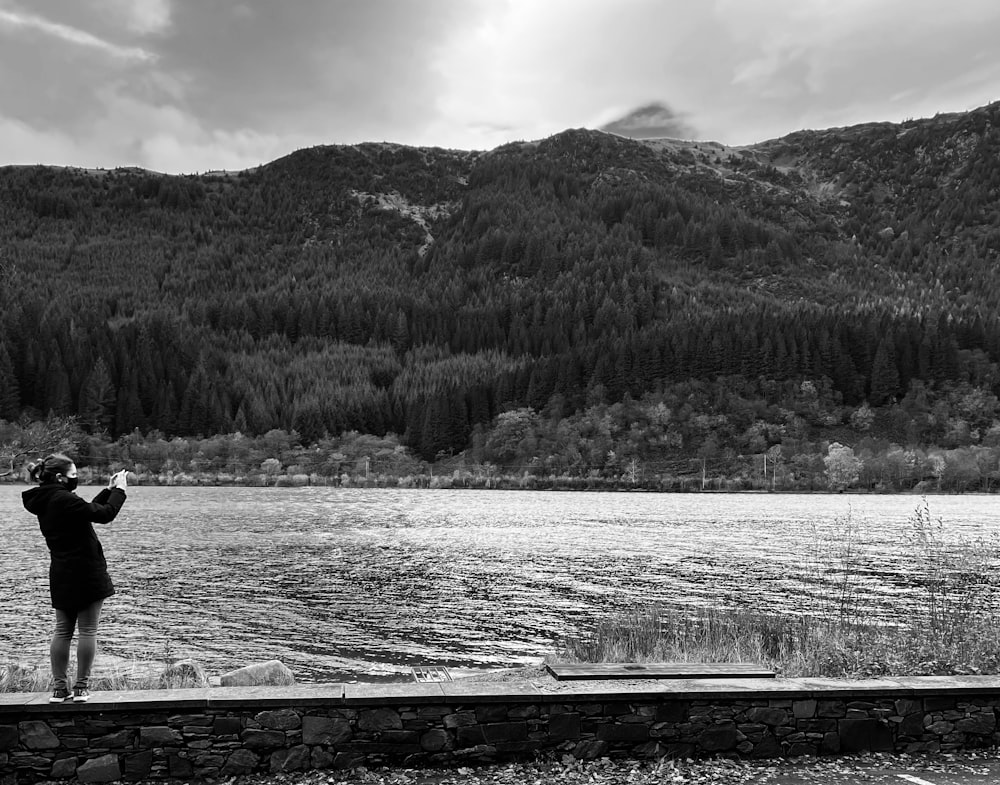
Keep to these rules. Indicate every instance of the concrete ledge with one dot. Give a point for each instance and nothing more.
(461, 691)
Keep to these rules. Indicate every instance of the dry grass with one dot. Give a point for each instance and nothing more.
(953, 627)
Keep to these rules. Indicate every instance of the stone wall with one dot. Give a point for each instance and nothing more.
(222, 732)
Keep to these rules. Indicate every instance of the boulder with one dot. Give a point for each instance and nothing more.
(183, 673)
(259, 674)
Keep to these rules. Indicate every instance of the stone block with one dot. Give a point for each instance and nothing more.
(717, 738)
(271, 673)
(800, 748)
(401, 737)
(112, 740)
(831, 709)
(523, 713)
(240, 762)
(294, 759)
(138, 766)
(470, 736)
(202, 720)
(939, 703)
(768, 716)
(435, 740)
(491, 713)
(828, 725)
(159, 736)
(325, 730)
(63, 769)
(632, 734)
(564, 726)
(26, 760)
(102, 769)
(864, 736)
(282, 719)
(981, 724)
(830, 745)
(505, 731)
(227, 726)
(348, 760)
(768, 747)
(939, 728)
(179, 766)
(459, 719)
(911, 725)
(590, 749)
(321, 759)
(804, 709)
(263, 739)
(8, 737)
(36, 735)
(379, 719)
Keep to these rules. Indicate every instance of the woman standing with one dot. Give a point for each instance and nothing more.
(78, 574)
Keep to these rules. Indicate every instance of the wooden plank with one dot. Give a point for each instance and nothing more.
(658, 670)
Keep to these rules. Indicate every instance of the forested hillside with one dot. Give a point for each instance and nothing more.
(830, 285)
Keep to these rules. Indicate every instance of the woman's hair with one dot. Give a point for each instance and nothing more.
(46, 469)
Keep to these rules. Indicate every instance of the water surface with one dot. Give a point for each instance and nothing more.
(362, 584)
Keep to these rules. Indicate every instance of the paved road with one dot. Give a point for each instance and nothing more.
(963, 769)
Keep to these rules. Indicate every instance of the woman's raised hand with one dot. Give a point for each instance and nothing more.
(119, 480)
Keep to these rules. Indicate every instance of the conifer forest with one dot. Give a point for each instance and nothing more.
(814, 312)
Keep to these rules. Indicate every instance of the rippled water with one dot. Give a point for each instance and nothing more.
(363, 584)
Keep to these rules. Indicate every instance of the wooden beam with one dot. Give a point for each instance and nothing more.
(658, 670)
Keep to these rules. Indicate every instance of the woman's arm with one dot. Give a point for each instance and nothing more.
(103, 509)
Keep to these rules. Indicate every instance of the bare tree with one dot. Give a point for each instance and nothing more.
(26, 439)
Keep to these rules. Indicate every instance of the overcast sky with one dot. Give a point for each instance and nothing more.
(192, 85)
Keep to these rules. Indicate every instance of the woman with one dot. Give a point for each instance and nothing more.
(78, 574)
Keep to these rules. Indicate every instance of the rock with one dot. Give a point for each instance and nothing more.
(36, 735)
(718, 738)
(63, 769)
(102, 769)
(240, 762)
(283, 719)
(324, 730)
(159, 736)
(271, 673)
(379, 719)
(294, 759)
(435, 740)
(181, 674)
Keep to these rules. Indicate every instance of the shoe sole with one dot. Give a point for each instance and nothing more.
(60, 700)
(81, 700)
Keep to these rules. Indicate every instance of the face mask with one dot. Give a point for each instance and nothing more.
(71, 483)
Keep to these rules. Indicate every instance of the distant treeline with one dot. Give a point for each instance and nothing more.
(702, 436)
(432, 294)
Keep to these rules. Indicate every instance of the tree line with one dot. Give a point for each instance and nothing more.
(579, 272)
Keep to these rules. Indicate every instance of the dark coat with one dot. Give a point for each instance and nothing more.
(78, 573)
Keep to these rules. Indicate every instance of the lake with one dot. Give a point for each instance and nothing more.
(359, 584)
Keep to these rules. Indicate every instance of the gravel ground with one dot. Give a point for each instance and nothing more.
(945, 769)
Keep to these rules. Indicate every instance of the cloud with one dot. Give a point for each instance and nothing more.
(143, 17)
(20, 20)
(651, 121)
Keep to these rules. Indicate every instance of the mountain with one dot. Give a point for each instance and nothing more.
(423, 291)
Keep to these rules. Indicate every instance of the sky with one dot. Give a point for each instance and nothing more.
(186, 86)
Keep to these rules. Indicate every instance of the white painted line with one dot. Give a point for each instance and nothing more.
(914, 780)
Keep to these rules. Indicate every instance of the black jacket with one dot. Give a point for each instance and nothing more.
(78, 573)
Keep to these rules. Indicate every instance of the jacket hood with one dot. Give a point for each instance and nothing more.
(36, 499)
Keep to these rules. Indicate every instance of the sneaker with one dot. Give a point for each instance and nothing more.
(59, 695)
(81, 695)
